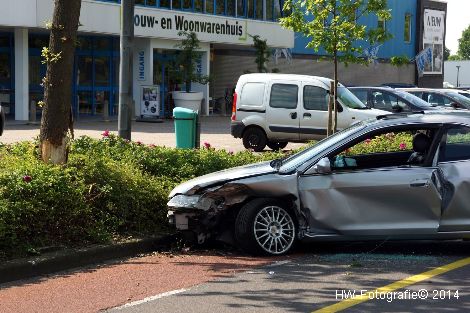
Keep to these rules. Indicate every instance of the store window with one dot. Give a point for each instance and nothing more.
(259, 9)
(230, 7)
(250, 8)
(102, 71)
(210, 6)
(269, 9)
(102, 44)
(176, 4)
(85, 102)
(5, 70)
(407, 34)
(85, 43)
(85, 71)
(198, 5)
(187, 4)
(220, 7)
(164, 3)
(241, 8)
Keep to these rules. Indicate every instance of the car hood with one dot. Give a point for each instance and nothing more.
(192, 186)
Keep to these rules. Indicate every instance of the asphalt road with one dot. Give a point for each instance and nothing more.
(315, 280)
(314, 277)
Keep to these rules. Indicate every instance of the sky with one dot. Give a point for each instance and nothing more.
(458, 13)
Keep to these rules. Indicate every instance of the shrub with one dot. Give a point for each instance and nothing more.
(110, 187)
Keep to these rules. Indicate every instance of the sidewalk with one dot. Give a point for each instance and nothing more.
(214, 129)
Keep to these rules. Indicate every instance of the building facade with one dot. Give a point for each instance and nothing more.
(224, 28)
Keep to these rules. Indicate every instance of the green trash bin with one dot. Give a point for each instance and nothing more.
(185, 127)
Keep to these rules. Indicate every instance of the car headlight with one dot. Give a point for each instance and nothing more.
(182, 201)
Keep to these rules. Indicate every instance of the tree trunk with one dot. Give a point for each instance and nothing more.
(57, 111)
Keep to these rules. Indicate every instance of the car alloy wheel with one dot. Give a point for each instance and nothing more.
(274, 230)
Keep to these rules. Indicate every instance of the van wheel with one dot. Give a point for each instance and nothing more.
(255, 139)
(265, 227)
(276, 145)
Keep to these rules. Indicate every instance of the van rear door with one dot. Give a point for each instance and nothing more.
(313, 112)
(282, 113)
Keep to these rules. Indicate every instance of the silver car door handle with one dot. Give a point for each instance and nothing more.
(419, 183)
(307, 115)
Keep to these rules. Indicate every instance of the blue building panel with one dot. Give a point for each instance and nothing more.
(397, 46)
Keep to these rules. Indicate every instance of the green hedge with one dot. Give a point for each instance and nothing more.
(110, 187)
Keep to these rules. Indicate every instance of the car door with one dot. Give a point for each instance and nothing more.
(282, 114)
(375, 201)
(313, 112)
(454, 162)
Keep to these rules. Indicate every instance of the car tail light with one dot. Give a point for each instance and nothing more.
(234, 106)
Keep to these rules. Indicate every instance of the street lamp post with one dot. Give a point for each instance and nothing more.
(125, 68)
(458, 72)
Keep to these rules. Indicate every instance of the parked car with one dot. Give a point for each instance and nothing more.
(462, 92)
(389, 99)
(327, 192)
(398, 85)
(274, 109)
(440, 97)
(2, 120)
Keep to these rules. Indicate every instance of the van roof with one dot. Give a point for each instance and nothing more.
(268, 76)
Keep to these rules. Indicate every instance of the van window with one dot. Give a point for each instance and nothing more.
(284, 96)
(315, 98)
(252, 94)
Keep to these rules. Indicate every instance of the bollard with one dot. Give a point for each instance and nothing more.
(32, 112)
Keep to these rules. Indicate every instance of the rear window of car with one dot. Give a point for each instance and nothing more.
(457, 145)
(284, 96)
(252, 94)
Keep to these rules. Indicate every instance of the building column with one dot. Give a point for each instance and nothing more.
(21, 74)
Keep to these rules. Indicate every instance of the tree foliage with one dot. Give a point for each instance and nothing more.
(464, 45)
(334, 26)
(262, 53)
(188, 57)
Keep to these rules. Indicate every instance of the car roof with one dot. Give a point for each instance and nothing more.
(268, 76)
(428, 117)
(384, 88)
(422, 89)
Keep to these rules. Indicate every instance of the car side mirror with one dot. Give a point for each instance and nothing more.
(397, 109)
(455, 105)
(323, 166)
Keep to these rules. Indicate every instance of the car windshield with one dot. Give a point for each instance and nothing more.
(296, 160)
(347, 98)
(458, 98)
(413, 99)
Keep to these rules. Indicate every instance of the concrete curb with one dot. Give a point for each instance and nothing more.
(68, 259)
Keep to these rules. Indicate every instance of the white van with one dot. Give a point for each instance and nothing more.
(274, 109)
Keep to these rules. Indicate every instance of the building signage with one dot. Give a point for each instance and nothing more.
(216, 29)
(141, 66)
(433, 38)
(190, 24)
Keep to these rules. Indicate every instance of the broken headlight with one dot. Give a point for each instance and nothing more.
(182, 201)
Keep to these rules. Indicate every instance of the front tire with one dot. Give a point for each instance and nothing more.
(265, 227)
(255, 139)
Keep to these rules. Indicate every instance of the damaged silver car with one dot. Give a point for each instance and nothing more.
(336, 190)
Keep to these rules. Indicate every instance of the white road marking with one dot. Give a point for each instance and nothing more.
(148, 299)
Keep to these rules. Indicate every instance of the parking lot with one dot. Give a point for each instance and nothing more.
(214, 130)
(317, 276)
